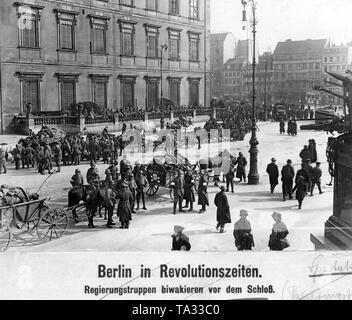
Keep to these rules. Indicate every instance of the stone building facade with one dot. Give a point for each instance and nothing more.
(55, 53)
(297, 68)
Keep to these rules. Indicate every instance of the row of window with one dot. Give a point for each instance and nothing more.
(174, 6)
(298, 66)
(31, 92)
(337, 59)
(29, 27)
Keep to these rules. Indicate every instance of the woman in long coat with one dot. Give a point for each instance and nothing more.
(223, 214)
(203, 199)
(124, 210)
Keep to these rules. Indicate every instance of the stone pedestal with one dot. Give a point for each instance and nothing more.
(338, 229)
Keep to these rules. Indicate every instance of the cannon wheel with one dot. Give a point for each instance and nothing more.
(79, 212)
(5, 238)
(152, 190)
(52, 224)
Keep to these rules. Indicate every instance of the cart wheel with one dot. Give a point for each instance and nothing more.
(79, 212)
(52, 224)
(172, 194)
(5, 238)
(152, 190)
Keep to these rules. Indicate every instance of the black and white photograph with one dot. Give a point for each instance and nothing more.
(176, 150)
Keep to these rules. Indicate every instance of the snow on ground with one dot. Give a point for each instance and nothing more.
(151, 230)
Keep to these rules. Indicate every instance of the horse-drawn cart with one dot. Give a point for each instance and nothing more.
(49, 223)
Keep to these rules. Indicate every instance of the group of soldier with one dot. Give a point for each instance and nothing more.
(305, 180)
(70, 150)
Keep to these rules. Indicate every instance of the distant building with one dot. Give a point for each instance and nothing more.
(263, 80)
(56, 53)
(222, 48)
(336, 59)
(234, 71)
(297, 68)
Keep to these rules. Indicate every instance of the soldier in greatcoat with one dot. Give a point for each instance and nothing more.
(189, 194)
(203, 199)
(178, 186)
(142, 187)
(124, 210)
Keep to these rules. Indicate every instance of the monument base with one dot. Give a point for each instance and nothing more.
(337, 236)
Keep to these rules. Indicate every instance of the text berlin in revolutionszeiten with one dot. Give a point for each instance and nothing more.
(200, 271)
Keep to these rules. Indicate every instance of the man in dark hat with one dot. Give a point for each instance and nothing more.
(316, 178)
(223, 214)
(273, 172)
(287, 176)
(243, 233)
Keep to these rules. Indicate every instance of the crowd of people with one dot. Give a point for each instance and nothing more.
(304, 181)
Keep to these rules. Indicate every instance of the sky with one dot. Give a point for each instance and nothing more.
(279, 20)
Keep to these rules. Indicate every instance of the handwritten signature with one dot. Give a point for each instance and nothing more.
(337, 267)
(292, 292)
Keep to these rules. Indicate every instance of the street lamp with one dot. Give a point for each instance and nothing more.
(163, 48)
(253, 176)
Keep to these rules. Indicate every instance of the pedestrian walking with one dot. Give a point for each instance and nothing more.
(273, 172)
(301, 189)
(287, 176)
(282, 126)
(277, 240)
(316, 178)
(243, 233)
(223, 215)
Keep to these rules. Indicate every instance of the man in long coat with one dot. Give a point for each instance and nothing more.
(241, 167)
(189, 189)
(203, 199)
(273, 172)
(287, 176)
(178, 185)
(223, 214)
(230, 176)
(124, 210)
(316, 178)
